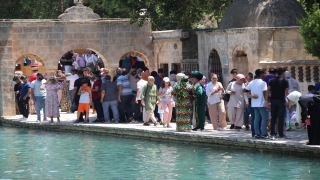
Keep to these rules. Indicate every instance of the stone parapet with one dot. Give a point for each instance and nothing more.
(165, 35)
(235, 142)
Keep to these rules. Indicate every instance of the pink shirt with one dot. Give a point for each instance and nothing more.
(81, 61)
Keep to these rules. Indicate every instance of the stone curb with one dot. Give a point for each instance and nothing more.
(301, 150)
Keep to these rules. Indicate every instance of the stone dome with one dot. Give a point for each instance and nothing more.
(78, 12)
(262, 13)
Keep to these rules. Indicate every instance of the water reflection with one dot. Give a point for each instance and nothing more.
(30, 154)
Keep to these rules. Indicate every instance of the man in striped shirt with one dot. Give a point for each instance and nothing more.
(124, 98)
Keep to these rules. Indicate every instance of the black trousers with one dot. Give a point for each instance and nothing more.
(137, 112)
(278, 110)
(125, 109)
(174, 116)
(24, 106)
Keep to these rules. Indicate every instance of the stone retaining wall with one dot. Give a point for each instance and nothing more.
(172, 137)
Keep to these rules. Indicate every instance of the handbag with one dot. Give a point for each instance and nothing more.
(226, 97)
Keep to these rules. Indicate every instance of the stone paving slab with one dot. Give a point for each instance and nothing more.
(231, 138)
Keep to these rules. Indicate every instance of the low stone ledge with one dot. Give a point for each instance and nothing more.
(172, 136)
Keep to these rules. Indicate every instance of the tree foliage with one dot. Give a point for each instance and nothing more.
(310, 31)
(308, 4)
(176, 14)
(164, 14)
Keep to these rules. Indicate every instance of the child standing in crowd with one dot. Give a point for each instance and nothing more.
(85, 99)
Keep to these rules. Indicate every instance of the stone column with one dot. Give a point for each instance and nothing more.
(7, 107)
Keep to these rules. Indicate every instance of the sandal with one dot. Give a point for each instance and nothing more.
(168, 126)
(156, 124)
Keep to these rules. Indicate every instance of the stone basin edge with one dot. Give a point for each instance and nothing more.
(195, 139)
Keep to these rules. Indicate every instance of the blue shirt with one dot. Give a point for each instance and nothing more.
(317, 86)
(126, 88)
(24, 89)
(158, 81)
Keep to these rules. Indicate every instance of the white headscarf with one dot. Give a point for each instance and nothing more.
(294, 97)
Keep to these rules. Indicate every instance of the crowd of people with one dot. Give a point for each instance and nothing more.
(140, 96)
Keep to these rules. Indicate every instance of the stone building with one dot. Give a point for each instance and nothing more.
(44, 42)
(78, 28)
(260, 34)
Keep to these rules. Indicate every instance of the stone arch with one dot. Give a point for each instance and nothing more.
(36, 59)
(214, 64)
(82, 47)
(138, 54)
(240, 60)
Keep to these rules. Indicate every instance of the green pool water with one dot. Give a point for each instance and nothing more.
(35, 154)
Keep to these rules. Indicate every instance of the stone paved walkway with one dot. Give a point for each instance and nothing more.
(297, 139)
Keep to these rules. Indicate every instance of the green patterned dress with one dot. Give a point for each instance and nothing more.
(183, 94)
(65, 102)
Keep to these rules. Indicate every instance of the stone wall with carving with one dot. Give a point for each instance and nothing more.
(50, 39)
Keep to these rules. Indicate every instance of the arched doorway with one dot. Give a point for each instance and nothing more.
(240, 62)
(25, 63)
(214, 65)
(141, 60)
(101, 59)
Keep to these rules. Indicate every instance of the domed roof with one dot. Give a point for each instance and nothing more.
(78, 12)
(262, 13)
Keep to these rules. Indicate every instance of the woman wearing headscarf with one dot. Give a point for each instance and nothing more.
(52, 100)
(149, 99)
(238, 102)
(65, 102)
(183, 95)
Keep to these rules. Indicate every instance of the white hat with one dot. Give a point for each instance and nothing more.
(166, 79)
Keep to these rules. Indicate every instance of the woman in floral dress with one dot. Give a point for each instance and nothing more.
(183, 95)
(65, 103)
(52, 101)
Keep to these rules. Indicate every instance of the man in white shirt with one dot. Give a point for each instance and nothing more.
(38, 93)
(258, 90)
(140, 84)
(72, 79)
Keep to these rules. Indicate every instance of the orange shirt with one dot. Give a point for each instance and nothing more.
(87, 89)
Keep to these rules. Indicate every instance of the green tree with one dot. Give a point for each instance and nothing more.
(308, 4)
(310, 31)
(175, 14)
(164, 14)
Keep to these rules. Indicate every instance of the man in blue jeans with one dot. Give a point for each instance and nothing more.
(280, 89)
(258, 90)
(38, 93)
